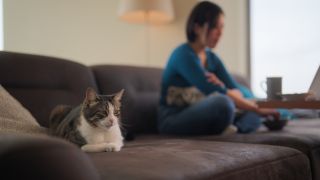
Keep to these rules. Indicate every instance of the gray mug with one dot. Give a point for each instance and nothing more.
(274, 88)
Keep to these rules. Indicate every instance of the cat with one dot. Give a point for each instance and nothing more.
(184, 96)
(94, 125)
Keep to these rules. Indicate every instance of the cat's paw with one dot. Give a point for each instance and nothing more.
(94, 147)
(113, 147)
(86, 148)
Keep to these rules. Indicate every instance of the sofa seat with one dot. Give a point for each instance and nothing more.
(147, 158)
(303, 135)
(140, 113)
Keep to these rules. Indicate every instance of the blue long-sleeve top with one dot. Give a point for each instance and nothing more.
(184, 69)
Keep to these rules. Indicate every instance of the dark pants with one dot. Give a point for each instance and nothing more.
(209, 116)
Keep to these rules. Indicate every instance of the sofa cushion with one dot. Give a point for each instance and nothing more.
(14, 117)
(40, 83)
(303, 135)
(141, 97)
(187, 159)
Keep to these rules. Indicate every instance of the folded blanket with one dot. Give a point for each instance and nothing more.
(14, 126)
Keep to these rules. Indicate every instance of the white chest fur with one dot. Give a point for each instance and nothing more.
(100, 139)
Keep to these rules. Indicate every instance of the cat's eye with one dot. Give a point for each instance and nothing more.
(116, 113)
(99, 116)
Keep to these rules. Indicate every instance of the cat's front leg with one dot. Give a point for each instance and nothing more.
(113, 147)
(94, 147)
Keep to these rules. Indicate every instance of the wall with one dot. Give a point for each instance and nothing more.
(90, 32)
(234, 45)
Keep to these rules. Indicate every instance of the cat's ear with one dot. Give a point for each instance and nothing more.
(91, 96)
(117, 97)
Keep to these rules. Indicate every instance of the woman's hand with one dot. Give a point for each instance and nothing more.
(268, 112)
(250, 105)
(212, 78)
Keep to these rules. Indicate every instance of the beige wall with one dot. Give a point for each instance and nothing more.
(233, 48)
(89, 32)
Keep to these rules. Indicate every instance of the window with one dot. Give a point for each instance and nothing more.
(285, 41)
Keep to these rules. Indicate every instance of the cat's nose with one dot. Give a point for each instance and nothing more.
(111, 121)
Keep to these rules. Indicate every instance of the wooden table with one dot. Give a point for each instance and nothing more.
(289, 104)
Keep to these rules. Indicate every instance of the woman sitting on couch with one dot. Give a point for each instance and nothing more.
(198, 95)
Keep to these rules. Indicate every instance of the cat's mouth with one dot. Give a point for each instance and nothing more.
(107, 125)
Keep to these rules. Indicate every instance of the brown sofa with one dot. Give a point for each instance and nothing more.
(40, 83)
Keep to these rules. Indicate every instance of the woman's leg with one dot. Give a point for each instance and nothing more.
(247, 122)
(209, 116)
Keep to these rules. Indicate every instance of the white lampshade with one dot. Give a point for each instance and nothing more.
(146, 11)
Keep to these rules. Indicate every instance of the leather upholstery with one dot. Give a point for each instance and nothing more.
(187, 159)
(141, 97)
(303, 135)
(141, 116)
(33, 157)
(40, 82)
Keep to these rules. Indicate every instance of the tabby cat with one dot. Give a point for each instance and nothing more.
(93, 125)
(184, 96)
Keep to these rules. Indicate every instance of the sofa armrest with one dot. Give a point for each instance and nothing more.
(34, 157)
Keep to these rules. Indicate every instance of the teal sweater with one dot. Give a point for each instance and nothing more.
(184, 69)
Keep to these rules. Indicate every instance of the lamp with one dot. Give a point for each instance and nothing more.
(146, 11)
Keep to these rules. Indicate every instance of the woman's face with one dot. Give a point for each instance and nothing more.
(214, 34)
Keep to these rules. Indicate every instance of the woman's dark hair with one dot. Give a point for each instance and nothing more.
(203, 12)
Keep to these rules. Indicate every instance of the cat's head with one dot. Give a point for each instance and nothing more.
(102, 111)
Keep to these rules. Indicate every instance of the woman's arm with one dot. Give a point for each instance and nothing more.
(240, 101)
(221, 72)
(250, 105)
(212, 78)
(189, 68)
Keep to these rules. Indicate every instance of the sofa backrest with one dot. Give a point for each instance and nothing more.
(40, 83)
(142, 92)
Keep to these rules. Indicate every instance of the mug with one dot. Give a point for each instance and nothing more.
(274, 88)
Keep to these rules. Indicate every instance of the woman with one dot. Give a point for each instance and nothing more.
(198, 96)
